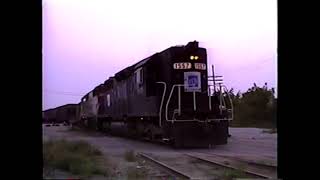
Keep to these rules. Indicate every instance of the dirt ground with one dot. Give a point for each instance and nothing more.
(246, 143)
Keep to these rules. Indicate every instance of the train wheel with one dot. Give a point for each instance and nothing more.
(132, 131)
(177, 143)
(99, 124)
(106, 126)
(178, 137)
(150, 135)
(86, 123)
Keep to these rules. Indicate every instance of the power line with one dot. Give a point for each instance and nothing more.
(259, 63)
(63, 93)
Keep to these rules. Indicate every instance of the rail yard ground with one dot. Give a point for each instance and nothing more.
(123, 162)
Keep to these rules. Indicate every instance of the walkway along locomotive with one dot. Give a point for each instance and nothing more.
(166, 96)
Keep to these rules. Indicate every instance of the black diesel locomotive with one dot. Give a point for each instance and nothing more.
(163, 97)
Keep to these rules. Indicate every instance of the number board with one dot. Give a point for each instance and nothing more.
(182, 65)
(200, 66)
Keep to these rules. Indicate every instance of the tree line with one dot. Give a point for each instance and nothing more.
(257, 107)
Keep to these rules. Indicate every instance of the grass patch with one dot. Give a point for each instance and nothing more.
(78, 157)
(231, 174)
(135, 173)
(130, 156)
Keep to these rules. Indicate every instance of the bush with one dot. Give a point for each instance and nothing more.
(78, 157)
(255, 108)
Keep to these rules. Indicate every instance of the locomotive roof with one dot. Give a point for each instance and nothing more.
(123, 74)
(109, 83)
(98, 89)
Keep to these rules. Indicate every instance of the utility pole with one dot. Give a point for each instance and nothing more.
(215, 80)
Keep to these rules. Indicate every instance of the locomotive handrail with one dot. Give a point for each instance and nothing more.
(222, 99)
(169, 98)
(179, 101)
(179, 110)
(163, 94)
(231, 104)
(209, 95)
(194, 101)
(167, 104)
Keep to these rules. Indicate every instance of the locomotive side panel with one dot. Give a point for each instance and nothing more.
(120, 107)
(50, 115)
(61, 114)
(139, 104)
(93, 100)
(76, 118)
(65, 113)
(72, 113)
(107, 103)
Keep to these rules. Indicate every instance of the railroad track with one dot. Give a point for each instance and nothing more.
(187, 166)
(266, 163)
(262, 163)
(170, 170)
(250, 168)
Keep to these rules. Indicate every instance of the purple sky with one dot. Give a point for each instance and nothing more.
(86, 41)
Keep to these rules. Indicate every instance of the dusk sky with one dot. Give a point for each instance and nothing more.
(87, 41)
